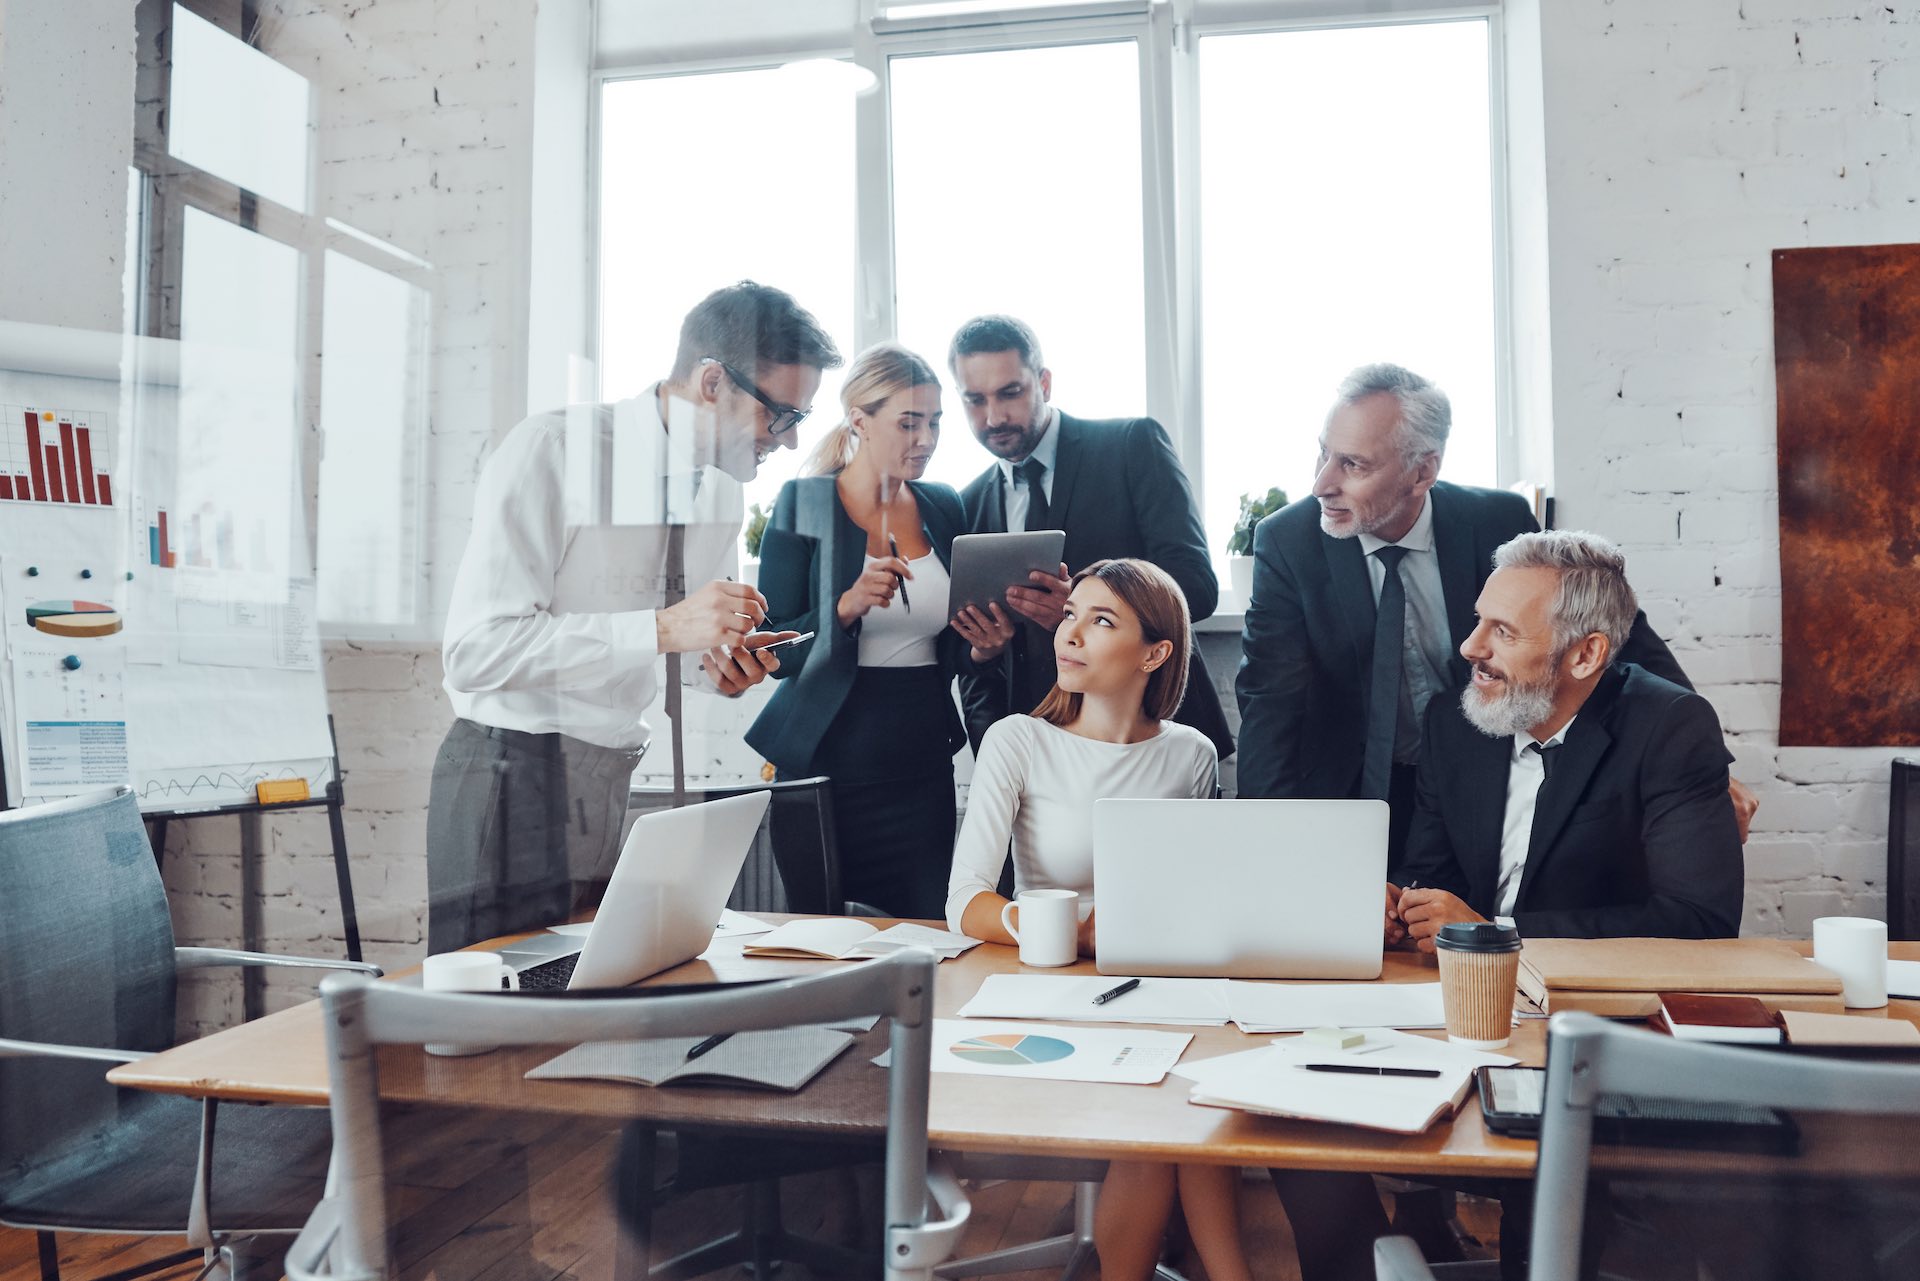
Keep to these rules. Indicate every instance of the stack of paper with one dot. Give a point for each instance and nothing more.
(1182, 1002)
(1274, 1081)
(735, 925)
(1296, 1007)
(845, 939)
(1903, 978)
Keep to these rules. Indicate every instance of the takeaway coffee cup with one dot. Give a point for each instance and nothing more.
(1049, 930)
(1855, 948)
(466, 972)
(1479, 964)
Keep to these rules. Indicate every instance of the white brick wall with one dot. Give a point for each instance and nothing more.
(1684, 142)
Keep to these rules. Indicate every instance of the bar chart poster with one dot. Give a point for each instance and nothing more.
(55, 456)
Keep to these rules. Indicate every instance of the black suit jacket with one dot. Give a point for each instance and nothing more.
(1307, 652)
(1632, 836)
(1118, 490)
(812, 552)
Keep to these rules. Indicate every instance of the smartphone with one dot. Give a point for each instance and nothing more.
(791, 640)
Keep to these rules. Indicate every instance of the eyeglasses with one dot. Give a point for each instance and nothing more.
(785, 417)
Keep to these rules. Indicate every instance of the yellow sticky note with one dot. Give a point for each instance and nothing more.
(279, 791)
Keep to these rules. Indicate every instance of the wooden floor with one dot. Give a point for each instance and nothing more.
(526, 1200)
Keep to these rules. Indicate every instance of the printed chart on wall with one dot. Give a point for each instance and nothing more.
(157, 590)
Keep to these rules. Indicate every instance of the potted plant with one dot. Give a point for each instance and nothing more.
(751, 537)
(1240, 547)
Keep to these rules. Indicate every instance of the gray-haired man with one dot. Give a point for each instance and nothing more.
(1383, 551)
(1613, 821)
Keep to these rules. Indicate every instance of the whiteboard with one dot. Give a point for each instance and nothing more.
(201, 648)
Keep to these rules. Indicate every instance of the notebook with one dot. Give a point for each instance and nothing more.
(837, 938)
(1734, 1020)
(780, 1059)
(1622, 978)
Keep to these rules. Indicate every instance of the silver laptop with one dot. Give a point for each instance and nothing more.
(663, 901)
(1240, 889)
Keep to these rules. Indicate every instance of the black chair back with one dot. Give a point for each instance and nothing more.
(86, 958)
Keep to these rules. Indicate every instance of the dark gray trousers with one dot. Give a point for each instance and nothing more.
(514, 820)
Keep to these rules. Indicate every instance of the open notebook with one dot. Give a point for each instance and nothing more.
(781, 1059)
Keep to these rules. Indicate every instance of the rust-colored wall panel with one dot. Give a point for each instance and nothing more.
(1846, 341)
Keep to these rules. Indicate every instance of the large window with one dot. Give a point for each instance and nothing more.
(767, 195)
(987, 217)
(1212, 225)
(1346, 207)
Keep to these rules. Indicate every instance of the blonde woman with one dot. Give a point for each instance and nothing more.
(857, 552)
(1103, 730)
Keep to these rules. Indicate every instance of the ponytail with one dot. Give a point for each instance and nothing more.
(835, 450)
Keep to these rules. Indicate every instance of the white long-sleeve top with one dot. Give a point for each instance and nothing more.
(551, 624)
(1035, 784)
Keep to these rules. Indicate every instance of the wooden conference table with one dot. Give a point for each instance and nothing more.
(281, 1059)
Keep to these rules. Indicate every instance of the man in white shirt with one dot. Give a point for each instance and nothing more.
(603, 538)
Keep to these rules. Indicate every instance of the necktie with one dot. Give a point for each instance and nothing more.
(1545, 753)
(676, 592)
(1030, 473)
(1383, 693)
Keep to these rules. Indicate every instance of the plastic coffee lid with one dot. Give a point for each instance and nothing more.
(1478, 936)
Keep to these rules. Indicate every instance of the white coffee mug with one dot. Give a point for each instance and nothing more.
(465, 972)
(1049, 932)
(1855, 948)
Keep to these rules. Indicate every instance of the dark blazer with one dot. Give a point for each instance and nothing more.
(812, 552)
(1632, 836)
(1118, 490)
(1307, 650)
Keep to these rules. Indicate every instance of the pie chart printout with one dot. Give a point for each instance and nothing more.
(73, 618)
(1015, 1049)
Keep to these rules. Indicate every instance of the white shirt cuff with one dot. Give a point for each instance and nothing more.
(636, 632)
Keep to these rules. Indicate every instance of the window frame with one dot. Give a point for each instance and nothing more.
(1167, 35)
(169, 186)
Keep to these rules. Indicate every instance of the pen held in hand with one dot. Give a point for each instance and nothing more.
(1112, 992)
(711, 1042)
(1361, 1069)
(893, 546)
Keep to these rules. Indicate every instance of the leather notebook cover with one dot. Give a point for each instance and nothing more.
(1692, 1016)
(1673, 965)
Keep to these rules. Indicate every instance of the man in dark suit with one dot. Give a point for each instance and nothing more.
(1115, 486)
(1569, 794)
(1562, 792)
(1383, 551)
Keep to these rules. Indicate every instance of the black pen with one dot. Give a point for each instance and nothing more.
(893, 546)
(1112, 992)
(1360, 1069)
(716, 1039)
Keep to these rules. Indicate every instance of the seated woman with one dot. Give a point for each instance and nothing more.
(1122, 651)
(856, 550)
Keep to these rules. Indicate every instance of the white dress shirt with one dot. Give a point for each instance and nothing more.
(1034, 785)
(1427, 643)
(1524, 776)
(1016, 489)
(551, 625)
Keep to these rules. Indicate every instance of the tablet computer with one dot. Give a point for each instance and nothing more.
(985, 565)
(1512, 1098)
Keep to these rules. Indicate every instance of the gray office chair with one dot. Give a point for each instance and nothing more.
(1589, 1057)
(86, 948)
(346, 1237)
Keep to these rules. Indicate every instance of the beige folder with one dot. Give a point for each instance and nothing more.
(1616, 977)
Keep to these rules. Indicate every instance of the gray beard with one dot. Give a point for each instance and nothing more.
(1519, 709)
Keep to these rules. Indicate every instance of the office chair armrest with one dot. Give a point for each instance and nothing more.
(932, 1243)
(200, 958)
(1399, 1259)
(47, 1050)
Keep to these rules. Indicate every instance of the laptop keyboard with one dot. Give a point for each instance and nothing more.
(549, 976)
